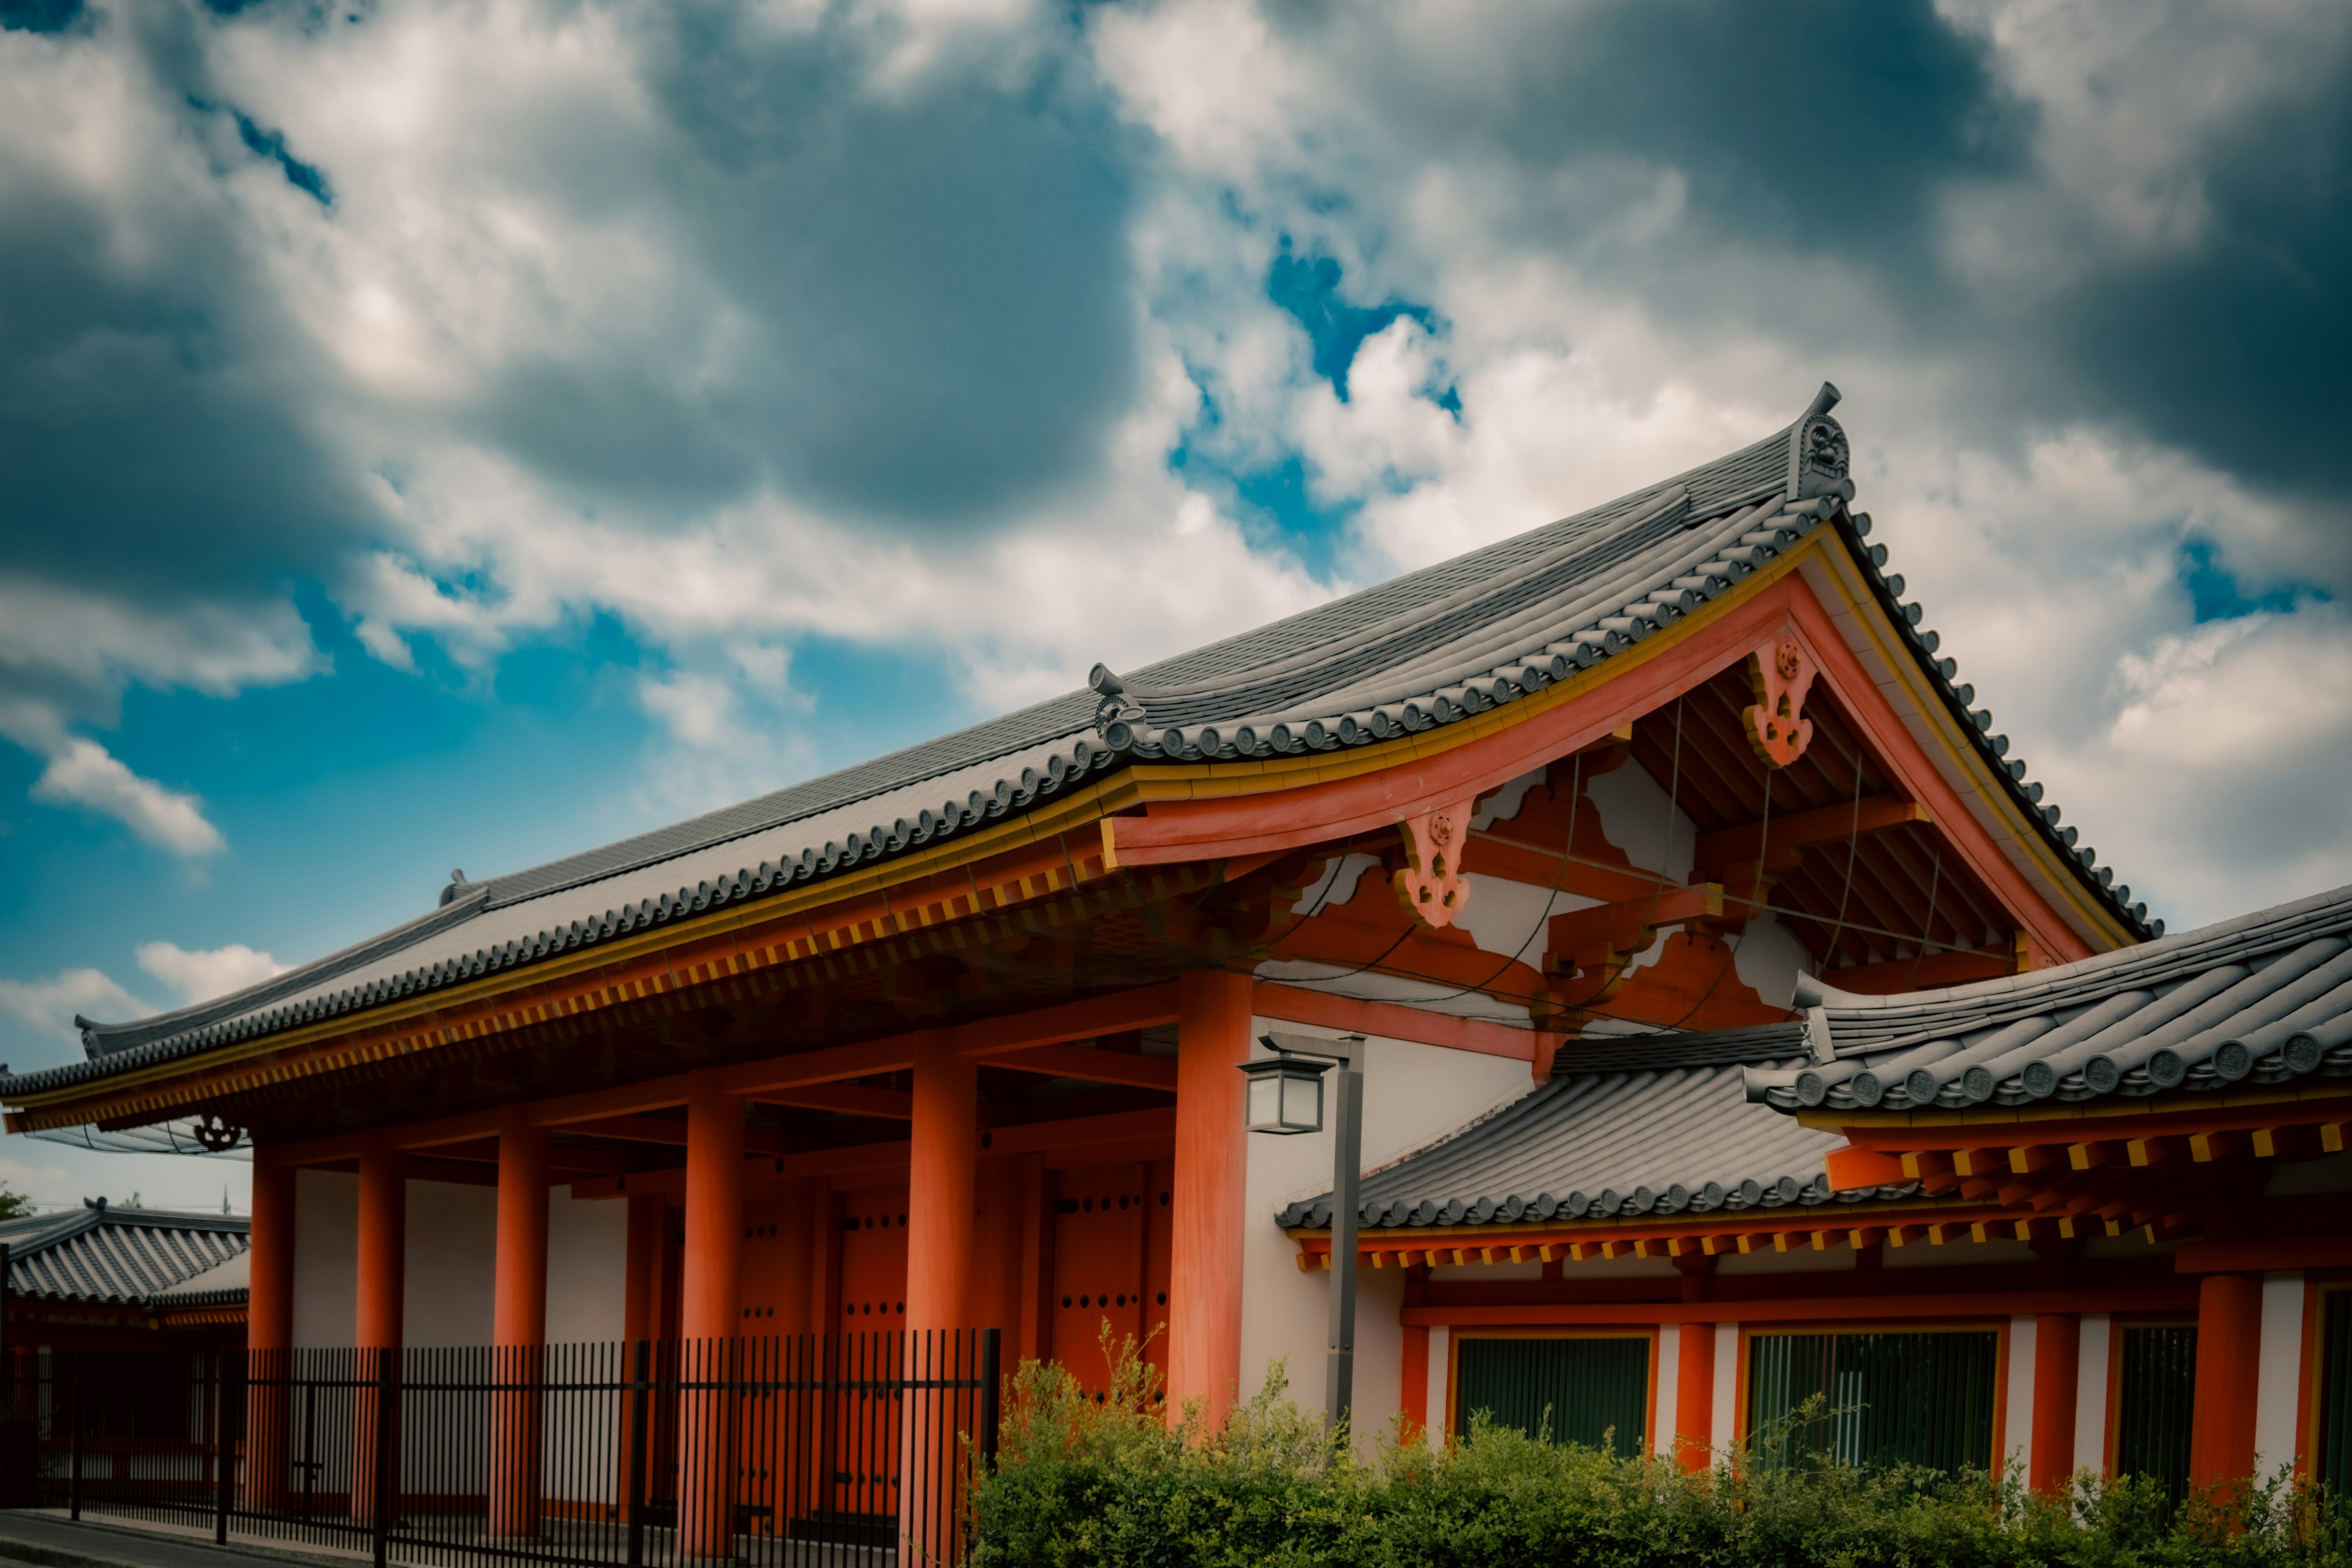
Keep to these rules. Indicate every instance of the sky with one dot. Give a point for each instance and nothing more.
(448, 434)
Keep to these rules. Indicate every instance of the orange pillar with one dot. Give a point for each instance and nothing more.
(519, 1325)
(383, 1278)
(269, 1330)
(1415, 1391)
(2057, 1361)
(1694, 1397)
(709, 1315)
(940, 1187)
(1204, 1309)
(2228, 1359)
(942, 1192)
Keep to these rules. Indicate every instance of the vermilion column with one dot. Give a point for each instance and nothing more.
(1204, 1308)
(382, 1276)
(2229, 1361)
(1695, 1397)
(2057, 1368)
(519, 1325)
(269, 1330)
(941, 1200)
(941, 1188)
(709, 1315)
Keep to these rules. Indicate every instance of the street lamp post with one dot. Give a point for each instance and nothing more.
(1286, 1096)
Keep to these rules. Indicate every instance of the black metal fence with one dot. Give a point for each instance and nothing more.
(786, 1452)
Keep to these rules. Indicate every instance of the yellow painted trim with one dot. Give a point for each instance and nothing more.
(1715, 1222)
(1129, 786)
(1887, 644)
(2076, 1112)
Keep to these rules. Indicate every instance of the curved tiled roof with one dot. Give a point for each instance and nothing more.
(1429, 649)
(122, 1257)
(1658, 1125)
(2265, 997)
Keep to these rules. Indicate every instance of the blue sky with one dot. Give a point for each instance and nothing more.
(453, 433)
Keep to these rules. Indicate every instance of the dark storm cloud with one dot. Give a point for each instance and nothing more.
(926, 296)
(2238, 350)
(150, 433)
(1836, 130)
(933, 290)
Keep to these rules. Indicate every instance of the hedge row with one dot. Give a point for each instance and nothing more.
(1089, 1482)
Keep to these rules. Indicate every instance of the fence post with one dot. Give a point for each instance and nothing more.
(223, 1450)
(989, 1409)
(640, 1396)
(387, 1462)
(73, 1491)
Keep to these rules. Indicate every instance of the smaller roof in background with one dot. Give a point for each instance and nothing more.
(121, 1257)
(2266, 998)
(1649, 1125)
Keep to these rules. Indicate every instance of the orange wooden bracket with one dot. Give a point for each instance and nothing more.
(1430, 882)
(1781, 672)
(1608, 934)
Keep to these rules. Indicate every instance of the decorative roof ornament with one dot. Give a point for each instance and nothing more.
(455, 889)
(1781, 672)
(1116, 714)
(1819, 454)
(1430, 882)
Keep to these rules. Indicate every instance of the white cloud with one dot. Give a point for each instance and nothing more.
(45, 1009)
(201, 974)
(83, 772)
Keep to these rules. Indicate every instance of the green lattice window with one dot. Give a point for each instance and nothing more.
(1886, 1398)
(2336, 1390)
(1583, 1390)
(2156, 1375)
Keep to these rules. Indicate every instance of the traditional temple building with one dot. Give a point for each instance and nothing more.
(1685, 898)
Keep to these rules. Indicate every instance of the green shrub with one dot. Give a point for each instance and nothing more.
(1105, 1481)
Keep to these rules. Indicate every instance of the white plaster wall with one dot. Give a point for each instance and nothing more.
(1637, 818)
(1724, 1421)
(587, 1269)
(326, 1257)
(2017, 1439)
(1441, 1381)
(1412, 1094)
(453, 1246)
(2279, 1378)
(2091, 1395)
(1669, 1383)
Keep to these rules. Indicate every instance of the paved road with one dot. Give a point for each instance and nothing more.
(43, 1539)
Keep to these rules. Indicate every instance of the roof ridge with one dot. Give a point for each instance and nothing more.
(1643, 576)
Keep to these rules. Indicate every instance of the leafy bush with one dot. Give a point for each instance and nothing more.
(1104, 1481)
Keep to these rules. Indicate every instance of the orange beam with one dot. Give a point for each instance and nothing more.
(1093, 1065)
(1624, 689)
(1390, 1020)
(856, 1099)
(1146, 1008)
(1825, 825)
(1949, 1306)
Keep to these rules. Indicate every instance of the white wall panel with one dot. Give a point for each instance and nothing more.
(2278, 1385)
(587, 1269)
(326, 1257)
(2091, 1395)
(453, 1230)
(1412, 1094)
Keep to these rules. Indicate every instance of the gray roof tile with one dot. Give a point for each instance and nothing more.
(2265, 997)
(1655, 1125)
(1429, 649)
(124, 1256)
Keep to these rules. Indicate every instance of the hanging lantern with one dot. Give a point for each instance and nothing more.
(1286, 1094)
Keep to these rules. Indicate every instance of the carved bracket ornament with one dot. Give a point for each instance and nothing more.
(216, 1134)
(1781, 672)
(1430, 882)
